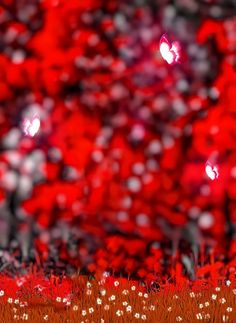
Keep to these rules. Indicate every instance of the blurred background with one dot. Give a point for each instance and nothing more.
(114, 178)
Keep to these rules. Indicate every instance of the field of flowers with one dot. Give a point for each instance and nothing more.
(35, 298)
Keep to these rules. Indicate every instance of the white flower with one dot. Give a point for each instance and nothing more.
(83, 312)
(16, 317)
(99, 301)
(2, 292)
(207, 304)
(133, 287)
(229, 309)
(45, 317)
(9, 300)
(116, 283)
(192, 294)
(222, 300)
(199, 316)
(140, 294)
(91, 310)
(16, 301)
(137, 315)
(179, 318)
(103, 292)
(125, 292)
(112, 298)
(89, 292)
(225, 318)
(169, 309)
(124, 303)
(152, 307)
(25, 316)
(217, 289)
(145, 295)
(200, 305)
(119, 312)
(143, 317)
(64, 300)
(58, 299)
(75, 308)
(68, 303)
(89, 284)
(175, 296)
(106, 307)
(102, 321)
(128, 308)
(214, 296)
(228, 282)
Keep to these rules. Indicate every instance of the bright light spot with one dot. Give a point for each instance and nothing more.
(31, 126)
(169, 51)
(211, 171)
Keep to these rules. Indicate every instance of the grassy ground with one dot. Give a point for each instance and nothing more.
(118, 300)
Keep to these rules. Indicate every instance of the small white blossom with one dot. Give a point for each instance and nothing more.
(133, 287)
(200, 305)
(179, 318)
(116, 283)
(192, 294)
(145, 295)
(169, 309)
(225, 318)
(222, 300)
(75, 308)
(143, 317)
(2, 292)
(58, 299)
(83, 312)
(103, 292)
(207, 304)
(228, 282)
(91, 310)
(140, 294)
(176, 296)
(89, 284)
(229, 309)
(125, 292)
(199, 316)
(112, 298)
(128, 308)
(119, 312)
(106, 307)
(89, 292)
(10, 300)
(99, 301)
(214, 296)
(16, 317)
(25, 316)
(152, 307)
(45, 317)
(217, 289)
(124, 303)
(137, 315)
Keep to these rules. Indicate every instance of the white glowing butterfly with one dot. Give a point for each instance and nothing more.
(31, 126)
(169, 51)
(212, 171)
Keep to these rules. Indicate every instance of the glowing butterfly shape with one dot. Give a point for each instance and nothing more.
(212, 172)
(31, 127)
(169, 51)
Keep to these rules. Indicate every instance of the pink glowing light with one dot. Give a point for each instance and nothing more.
(169, 51)
(31, 126)
(211, 171)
